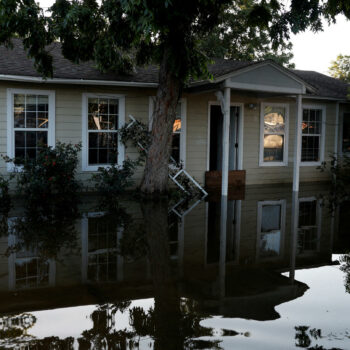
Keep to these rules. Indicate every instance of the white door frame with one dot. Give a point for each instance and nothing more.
(240, 132)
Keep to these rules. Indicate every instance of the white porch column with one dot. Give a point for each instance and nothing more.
(297, 143)
(225, 141)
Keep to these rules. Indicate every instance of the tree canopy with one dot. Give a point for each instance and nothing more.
(235, 39)
(340, 68)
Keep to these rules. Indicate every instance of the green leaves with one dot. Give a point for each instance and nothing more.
(340, 68)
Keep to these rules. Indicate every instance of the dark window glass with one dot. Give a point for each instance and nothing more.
(310, 149)
(346, 132)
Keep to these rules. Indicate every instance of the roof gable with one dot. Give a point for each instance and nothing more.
(266, 76)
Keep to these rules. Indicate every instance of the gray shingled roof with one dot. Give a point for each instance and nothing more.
(15, 62)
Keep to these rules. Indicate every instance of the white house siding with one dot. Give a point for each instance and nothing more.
(69, 128)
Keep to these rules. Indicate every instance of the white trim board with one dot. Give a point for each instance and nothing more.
(84, 115)
(240, 132)
(323, 133)
(286, 135)
(10, 120)
(31, 79)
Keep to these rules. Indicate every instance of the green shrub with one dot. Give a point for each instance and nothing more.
(111, 182)
(48, 182)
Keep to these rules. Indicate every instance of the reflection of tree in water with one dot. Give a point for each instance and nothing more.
(345, 267)
(173, 322)
(14, 335)
(305, 335)
(45, 232)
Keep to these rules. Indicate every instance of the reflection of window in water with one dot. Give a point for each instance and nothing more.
(308, 228)
(30, 270)
(174, 223)
(102, 249)
(271, 217)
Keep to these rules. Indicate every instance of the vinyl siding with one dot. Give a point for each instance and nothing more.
(68, 128)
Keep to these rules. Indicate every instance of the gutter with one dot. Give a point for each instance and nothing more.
(19, 78)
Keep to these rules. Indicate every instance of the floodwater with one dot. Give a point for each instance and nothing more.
(263, 270)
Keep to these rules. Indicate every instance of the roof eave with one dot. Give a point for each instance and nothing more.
(31, 79)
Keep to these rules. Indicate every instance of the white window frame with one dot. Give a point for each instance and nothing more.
(322, 137)
(183, 102)
(262, 163)
(85, 131)
(318, 221)
(282, 203)
(10, 121)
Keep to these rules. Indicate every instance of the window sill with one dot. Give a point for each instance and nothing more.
(310, 163)
(273, 164)
(94, 168)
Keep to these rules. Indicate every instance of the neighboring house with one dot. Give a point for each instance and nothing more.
(80, 104)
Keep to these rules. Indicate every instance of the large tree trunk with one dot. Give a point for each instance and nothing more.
(155, 177)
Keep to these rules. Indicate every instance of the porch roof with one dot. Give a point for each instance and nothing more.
(16, 66)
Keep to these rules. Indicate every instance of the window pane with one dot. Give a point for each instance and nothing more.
(93, 139)
(271, 218)
(113, 122)
(177, 125)
(93, 156)
(113, 106)
(30, 138)
(27, 143)
(31, 120)
(19, 119)
(175, 149)
(20, 139)
(274, 119)
(273, 148)
(310, 149)
(104, 122)
(93, 105)
(93, 122)
(43, 120)
(31, 103)
(43, 103)
(103, 106)
(19, 101)
(103, 147)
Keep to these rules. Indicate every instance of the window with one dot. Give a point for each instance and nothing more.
(103, 115)
(274, 134)
(178, 149)
(270, 228)
(31, 122)
(312, 135)
(100, 244)
(346, 133)
(309, 225)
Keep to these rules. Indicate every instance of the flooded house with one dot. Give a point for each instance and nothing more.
(262, 267)
(280, 124)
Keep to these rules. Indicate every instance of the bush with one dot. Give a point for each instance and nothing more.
(50, 193)
(339, 170)
(48, 182)
(112, 182)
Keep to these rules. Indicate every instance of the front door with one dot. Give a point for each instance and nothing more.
(216, 125)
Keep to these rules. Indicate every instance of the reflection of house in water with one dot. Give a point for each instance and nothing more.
(26, 269)
(235, 271)
(100, 261)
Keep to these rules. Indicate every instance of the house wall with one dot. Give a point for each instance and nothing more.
(69, 128)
